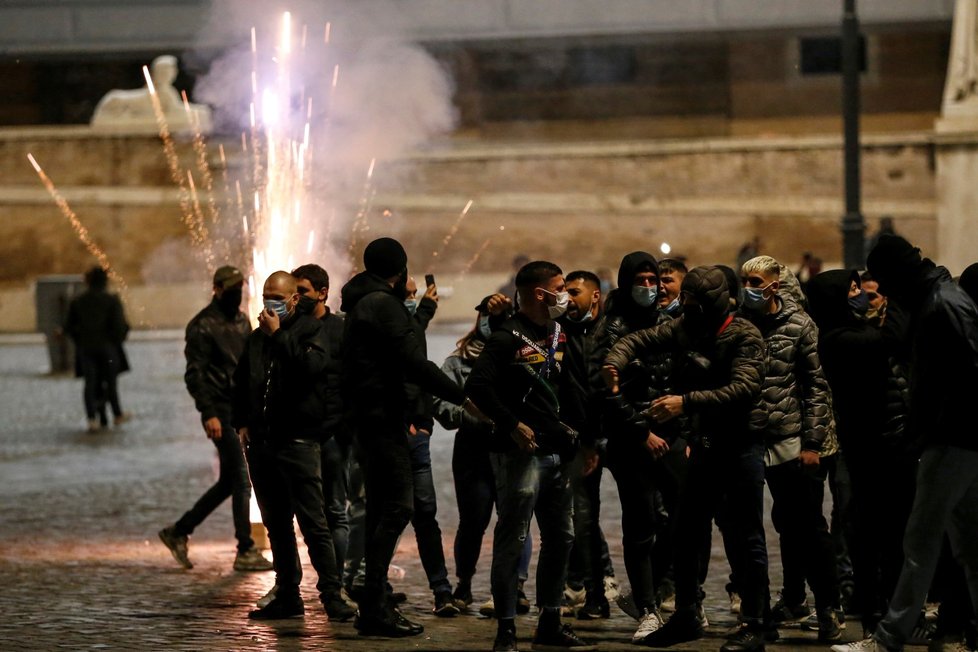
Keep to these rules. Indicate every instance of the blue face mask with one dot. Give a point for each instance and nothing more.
(673, 307)
(754, 298)
(411, 305)
(279, 306)
(484, 328)
(645, 296)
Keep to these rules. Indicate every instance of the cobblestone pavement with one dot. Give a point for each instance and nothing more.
(81, 567)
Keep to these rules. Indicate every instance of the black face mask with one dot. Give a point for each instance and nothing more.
(230, 301)
(306, 305)
(694, 320)
(859, 304)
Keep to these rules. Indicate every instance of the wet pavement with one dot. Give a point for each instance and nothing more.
(81, 566)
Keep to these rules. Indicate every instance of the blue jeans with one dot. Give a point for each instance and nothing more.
(336, 482)
(425, 521)
(946, 501)
(528, 484)
(475, 495)
(232, 482)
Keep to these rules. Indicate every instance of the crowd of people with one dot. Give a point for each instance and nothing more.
(695, 388)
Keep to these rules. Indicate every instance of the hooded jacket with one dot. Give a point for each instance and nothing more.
(381, 354)
(643, 379)
(718, 362)
(795, 399)
(856, 359)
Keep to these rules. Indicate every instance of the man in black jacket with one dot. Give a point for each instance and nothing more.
(280, 415)
(522, 383)
(215, 339)
(943, 342)
(718, 362)
(312, 284)
(381, 354)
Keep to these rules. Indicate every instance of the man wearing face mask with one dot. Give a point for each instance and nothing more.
(522, 383)
(671, 275)
(590, 562)
(280, 415)
(717, 367)
(646, 460)
(382, 353)
(797, 410)
(215, 339)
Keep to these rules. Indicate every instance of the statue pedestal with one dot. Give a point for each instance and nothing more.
(956, 150)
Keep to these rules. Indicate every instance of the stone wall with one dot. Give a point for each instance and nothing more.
(581, 205)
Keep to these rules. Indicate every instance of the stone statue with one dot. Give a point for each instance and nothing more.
(132, 110)
(961, 87)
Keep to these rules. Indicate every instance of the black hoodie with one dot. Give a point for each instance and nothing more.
(382, 353)
(855, 358)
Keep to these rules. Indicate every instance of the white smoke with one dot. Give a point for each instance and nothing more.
(390, 96)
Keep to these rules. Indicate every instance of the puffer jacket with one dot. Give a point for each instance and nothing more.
(214, 343)
(795, 399)
(719, 378)
(458, 366)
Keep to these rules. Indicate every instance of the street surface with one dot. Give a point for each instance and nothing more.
(81, 566)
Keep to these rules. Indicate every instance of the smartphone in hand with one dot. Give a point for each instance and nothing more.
(429, 280)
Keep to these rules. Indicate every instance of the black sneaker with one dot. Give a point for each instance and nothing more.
(389, 624)
(594, 610)
(279, 609)
(829, 630)
(785, 614)
(445, 606)
(562, 638)
(745, 639)
(505, 640)
(463, 597)
(684, 626)
(338, 609)
(177, 544)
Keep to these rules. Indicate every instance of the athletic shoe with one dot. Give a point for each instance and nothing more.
(445, 606)
(268, 597)
(865, 645)
(684, 626)
(594, 610)
(488, 608)
(562, 638)
(734, 602)
(177, 543)
(611, 589)
(251, 560)
(784, 614)
(649, 623)
(280, 608)
(828, 626)
(745, 640)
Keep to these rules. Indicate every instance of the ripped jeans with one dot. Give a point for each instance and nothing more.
(529, 484)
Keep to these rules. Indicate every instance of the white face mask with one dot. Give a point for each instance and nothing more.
(645, 296)
(560, 307)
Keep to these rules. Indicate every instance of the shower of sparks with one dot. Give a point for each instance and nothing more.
(451, 234)
(474, 259)
(79, 228)
(360, 221)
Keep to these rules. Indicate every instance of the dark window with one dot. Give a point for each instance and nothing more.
(823, 55)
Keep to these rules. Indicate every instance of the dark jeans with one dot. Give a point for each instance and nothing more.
(806, 545)
(100, 369)
(590, 560)
(841, 524)
(356, 541)
(649, 492)
(736, 477)
(336, 483)
(529, 484)
(288, 483)
(879, 477)
(475, 494)
(231, 482)
(425, 521)
(389, 483)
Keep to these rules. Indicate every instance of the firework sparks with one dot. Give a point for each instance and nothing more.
(474, 259)
(451, 234)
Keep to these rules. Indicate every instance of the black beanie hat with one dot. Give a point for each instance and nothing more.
(385, 257)
(893, 263)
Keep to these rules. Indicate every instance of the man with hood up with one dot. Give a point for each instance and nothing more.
(943, 340)
(718, 366)
(647, 460)
(870, 416)
(382, 353)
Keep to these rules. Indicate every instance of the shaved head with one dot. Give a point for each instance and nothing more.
(281, 285)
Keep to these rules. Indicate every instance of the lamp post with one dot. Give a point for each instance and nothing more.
(853, 225)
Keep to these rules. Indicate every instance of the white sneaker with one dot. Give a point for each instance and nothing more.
(268, 597)
(574, 597)
(649, 623)
(865, 645)
(610, 589)
(488, 608)
(701, 616)
(734, 602)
